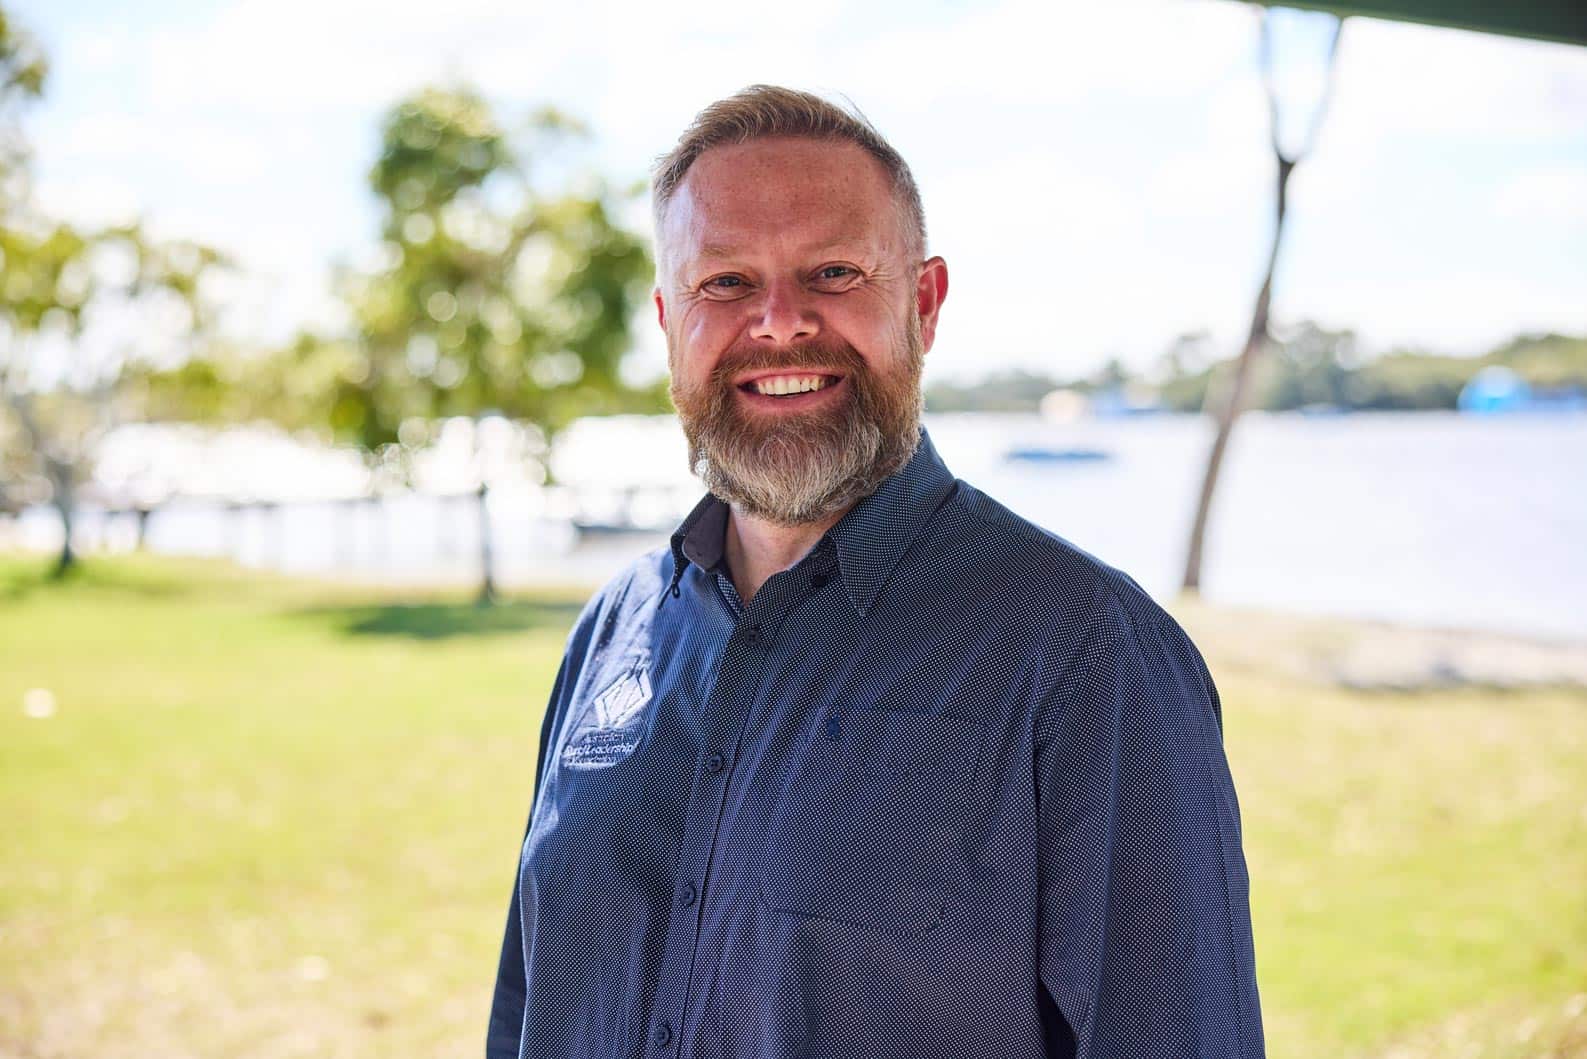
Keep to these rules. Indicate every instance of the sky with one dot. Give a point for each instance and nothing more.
(1097, 175)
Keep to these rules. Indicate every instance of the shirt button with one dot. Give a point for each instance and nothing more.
(689, 894)
(753, 635)
(663, 1034)
(714, 762)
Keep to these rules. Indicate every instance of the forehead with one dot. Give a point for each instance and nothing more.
(781, 193)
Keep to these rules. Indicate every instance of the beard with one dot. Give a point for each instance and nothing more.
(793, 468)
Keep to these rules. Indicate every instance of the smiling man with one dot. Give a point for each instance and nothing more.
(862, 764)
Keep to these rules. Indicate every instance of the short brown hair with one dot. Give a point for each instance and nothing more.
(763, 111)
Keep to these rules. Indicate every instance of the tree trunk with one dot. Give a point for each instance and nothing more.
(1229, 409)
(67, 560)
(487, 587)
(57, 470)
(1234, 393)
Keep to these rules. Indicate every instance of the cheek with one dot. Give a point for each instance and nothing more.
(704, 327)
(699, 336)
(872, 328)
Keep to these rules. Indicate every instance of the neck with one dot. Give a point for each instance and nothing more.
(756, 549)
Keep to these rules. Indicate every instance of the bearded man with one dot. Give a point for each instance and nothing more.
(862, 764)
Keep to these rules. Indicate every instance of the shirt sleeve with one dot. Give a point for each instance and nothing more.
(504, 1033)
(1145, 929)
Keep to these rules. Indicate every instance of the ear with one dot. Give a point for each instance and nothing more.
(931, 289)
(661, 307)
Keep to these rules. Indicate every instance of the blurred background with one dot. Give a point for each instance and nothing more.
(330, 388)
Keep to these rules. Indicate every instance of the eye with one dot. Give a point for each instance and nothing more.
(836, 272)
(727, 284)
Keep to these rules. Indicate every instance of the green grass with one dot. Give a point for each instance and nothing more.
(276, 818)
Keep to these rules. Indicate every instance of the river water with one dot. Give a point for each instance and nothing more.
(1427, 518)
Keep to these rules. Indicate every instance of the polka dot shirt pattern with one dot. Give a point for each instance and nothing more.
(947, 787)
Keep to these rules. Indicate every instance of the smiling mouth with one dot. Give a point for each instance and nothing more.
(789, 385)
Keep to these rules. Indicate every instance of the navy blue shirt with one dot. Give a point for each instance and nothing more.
(947, 787)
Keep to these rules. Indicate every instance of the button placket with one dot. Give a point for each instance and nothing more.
(738, 685)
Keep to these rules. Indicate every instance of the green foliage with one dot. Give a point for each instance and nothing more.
(495, 295)
(434, 147)
(1311, 366)
(1544, 360)
(1308, 366)
(1188, 392)
(199, 390)
(66, 376)
(23, 71)
(23, 65)
(20, 484)
(43, 272)
(1018, 390)
(1405, 380)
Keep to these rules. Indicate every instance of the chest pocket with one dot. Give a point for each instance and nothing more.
(869, 828)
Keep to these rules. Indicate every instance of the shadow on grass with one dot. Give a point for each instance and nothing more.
(21, 577)
(440, 621)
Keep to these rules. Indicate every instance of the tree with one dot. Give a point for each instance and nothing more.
(1227, 409)
(497, 294)
(79, 309)
(1313, 366)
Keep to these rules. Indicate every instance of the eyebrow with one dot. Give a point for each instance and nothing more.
(721, 250)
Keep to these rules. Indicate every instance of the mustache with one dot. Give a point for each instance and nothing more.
(838, 356)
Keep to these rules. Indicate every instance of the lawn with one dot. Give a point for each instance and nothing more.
(266, 818)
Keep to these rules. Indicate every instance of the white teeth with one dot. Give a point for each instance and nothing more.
(777, 385)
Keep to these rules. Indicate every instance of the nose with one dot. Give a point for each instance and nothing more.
(785, 315)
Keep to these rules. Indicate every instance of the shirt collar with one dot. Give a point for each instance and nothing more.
(870, 539)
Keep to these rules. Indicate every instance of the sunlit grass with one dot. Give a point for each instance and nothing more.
(264, 818)
(1419, 862)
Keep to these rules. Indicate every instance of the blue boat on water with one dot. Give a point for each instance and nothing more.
(1499, 389)
(1048, 455)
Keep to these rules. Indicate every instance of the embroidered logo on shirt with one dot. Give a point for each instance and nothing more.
(614, 723)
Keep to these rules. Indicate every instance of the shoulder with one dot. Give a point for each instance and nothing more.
(1100, 632)
(1073, 618)
(628, 595)
(634, 587)
(1038, 573)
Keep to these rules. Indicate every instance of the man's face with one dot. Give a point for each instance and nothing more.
(796, 321)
